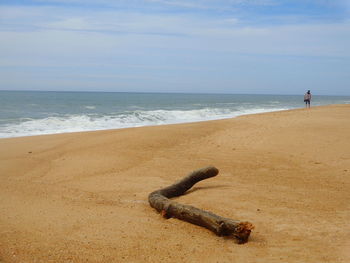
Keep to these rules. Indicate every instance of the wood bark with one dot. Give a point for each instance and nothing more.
(219, 225)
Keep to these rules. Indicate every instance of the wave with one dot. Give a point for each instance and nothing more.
(90, 107)
(138, 118)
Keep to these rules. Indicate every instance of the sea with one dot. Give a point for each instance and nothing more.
(27, 113)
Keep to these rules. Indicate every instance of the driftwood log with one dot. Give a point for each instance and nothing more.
(219, 225)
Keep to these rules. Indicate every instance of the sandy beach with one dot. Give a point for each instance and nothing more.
(82, 197)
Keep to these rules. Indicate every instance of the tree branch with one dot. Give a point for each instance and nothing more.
(219, 225)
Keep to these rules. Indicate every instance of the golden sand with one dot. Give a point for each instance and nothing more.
(82, 197)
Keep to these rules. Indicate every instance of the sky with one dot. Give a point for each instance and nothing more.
(193, 46)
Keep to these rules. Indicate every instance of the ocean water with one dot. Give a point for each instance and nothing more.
(25, 113)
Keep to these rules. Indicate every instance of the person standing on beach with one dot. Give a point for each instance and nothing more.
(307, 99)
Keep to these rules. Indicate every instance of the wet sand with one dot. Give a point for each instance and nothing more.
(82, 197)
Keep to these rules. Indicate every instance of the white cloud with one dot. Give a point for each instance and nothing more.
(98, 32)
(74, 23)
(187, 47)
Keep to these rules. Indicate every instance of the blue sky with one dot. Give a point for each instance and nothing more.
(222, 46)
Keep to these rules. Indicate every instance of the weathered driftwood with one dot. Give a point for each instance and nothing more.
(219, 225)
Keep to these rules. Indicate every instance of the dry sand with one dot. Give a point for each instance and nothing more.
(82, 197)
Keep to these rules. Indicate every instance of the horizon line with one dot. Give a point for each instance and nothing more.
(163, 92)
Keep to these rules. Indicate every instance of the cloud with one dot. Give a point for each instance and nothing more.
(157, 30)
(58, 43)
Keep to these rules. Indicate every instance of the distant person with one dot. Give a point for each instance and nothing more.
(307, 99)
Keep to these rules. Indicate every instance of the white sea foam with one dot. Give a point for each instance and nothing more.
(76, 123)
(90, 107)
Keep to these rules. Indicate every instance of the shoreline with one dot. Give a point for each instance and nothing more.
(28, 115)
(82, 196)
(155, 125)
